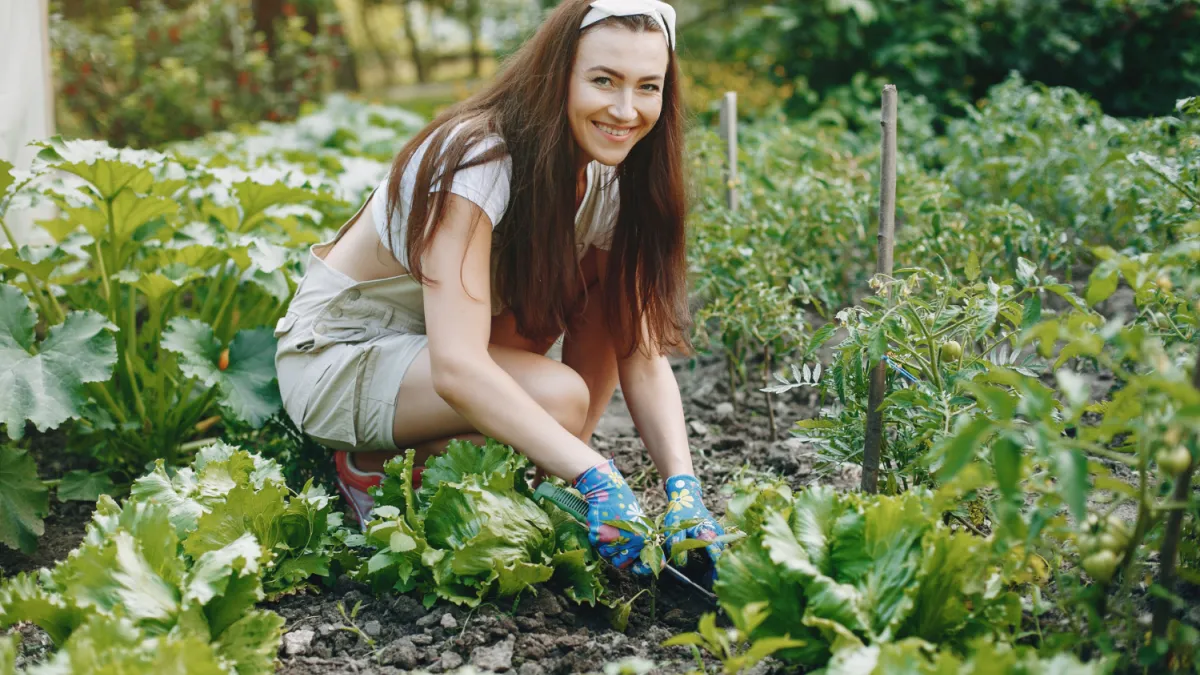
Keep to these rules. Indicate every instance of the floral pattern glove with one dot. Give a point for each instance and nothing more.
(683, 504)
(609, 497)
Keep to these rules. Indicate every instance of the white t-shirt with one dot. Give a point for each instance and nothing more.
(487, 185)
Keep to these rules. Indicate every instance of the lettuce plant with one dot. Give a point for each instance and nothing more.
(842, 569)
(168, 580)
(473, 530)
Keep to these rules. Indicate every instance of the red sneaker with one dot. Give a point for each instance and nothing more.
(353, 484)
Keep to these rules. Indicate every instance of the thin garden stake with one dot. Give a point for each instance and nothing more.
(767, 384)
(883, 266)
(1170, 544)
(728, 129)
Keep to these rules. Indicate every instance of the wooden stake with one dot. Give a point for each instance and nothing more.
(728, 130)
(1170, 544)
(883, 266)
(767, 383)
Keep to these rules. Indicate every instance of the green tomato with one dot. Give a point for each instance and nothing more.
(951, 350)
(1087, 543)
(1101, 565)
(1174, 461)
(1116, 528)
(1112, 541)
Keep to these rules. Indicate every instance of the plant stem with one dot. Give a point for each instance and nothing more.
(101, 392)
(197, 444)
(108, 294)
(130, 349)
(214, 290)
(1170, 544)
(228, 299)
(732, 381)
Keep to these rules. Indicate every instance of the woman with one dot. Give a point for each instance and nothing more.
(428, 316)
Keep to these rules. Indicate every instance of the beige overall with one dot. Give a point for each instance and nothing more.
(345, 345)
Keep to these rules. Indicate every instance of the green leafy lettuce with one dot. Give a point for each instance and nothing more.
(168, 581)
(473, 529)
(914, 656)
(847, 570)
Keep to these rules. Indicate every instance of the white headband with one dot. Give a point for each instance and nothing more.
(662, 13)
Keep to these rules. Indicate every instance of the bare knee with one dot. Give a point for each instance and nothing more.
(563, 394)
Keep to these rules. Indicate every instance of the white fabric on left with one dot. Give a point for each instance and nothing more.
(662, 13)
(26, 113)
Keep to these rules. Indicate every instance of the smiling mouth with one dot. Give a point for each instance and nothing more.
(616, 133)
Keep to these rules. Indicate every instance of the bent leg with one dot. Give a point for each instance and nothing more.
(427, 423)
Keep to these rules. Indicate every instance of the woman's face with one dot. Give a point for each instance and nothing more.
(615, 95)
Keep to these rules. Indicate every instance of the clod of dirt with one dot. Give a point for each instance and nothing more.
(450, 660)
(724, 410)
(531, 668)
(407, 609)
(372, 628)
(448, 621)
(401, 653)
(429, 619)
(547, 604)
(698, 428)
(790, 457)
(298, 642)
(497, 657)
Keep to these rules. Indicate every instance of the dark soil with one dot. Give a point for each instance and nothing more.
(543, 633)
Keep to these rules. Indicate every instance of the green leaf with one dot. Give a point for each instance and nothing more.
(84, 486)
(245, 510)
(22, 598)
(108, 169)
(24, 500)
(43, 383)
(462, 459)
(960, 448)
(1026, 271)
(684, 640)
(115, 573)
(1006, 460)
(1070, 471)
(761, 649)
(618, 617)
(1032, 312)
(1102, 283)
(40, 266)
(131, 211)
(252, 642)
(6, 177)
(210, 578)
(579, 577)
(8, 643)
(247, 386)
(256, 198)
(972, 268)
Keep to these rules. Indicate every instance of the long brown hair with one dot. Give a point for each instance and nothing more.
(537, 272)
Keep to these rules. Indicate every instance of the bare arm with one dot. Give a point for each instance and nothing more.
(458, 321)
(654, 403)
(652, 394)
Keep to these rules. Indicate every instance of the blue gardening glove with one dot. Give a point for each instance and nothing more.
(683, 504)
(609, 498)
